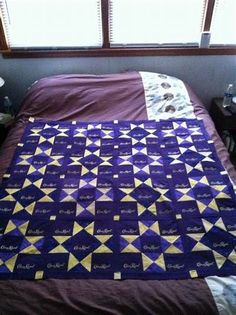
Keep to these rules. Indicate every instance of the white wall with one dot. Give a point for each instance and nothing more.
(208, 75)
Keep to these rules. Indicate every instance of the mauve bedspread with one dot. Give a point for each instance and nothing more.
(100, 98)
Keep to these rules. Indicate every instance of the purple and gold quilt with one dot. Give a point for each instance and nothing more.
(116, 200)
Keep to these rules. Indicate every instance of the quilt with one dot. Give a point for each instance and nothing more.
(116, 200)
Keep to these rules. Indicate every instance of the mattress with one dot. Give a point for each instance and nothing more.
(127, 96)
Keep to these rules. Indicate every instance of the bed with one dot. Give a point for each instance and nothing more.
(131, 96)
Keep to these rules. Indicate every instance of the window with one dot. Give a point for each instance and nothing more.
(224, 23)
(152, 22)
(116, 27)
(52, 23)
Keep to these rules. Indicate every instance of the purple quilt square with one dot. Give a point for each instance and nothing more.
(180, 182)
(203, 262)
(103, 263)
(40, 227)
(166, 125)
(170, 142)
(219, 241)
(127, 209)
(128, 228)
(52, 264)
(105, 208)
(216, 179)
(181, 132)
(130, 263)
(29, 148)
(77, 152)
(65, 209)
(28, 195)
(124, 151)
(49, 131)
(53, 171)
(28, 264)
(44, 209)
(20, 171)
(168, 152)
(138, 133)
(160, 182)
(154, 154)
(81, 244)
(86, 195)
(152, 142)
(31, 142)
(187, 208)
(169, 227)
(210, 167)
(226, 206)
(124, 143)
(202, 193)
(198, 140)
(145, 195)
(94, 134)
(50, 182)
(107, 143)
(230, 223)
(62, 228)
(105, 182)
(78, 142)
(10, 243)
(125, 182)
(165, 209)
(107, 151)
(105, 171)
(140, 160)
(103, 228)
(192, 158)
(40, 161)
(150, 244)
(177, 170)
(192, 225)
(73, 171)
(156, 171)
(91, 161)
(202, 147)
(176, 263)
(14, 182)
(69, 183)
(125, 171)
(6, 208)
(61, 142)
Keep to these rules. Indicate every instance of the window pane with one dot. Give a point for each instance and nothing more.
(52, 23)
(224, 23)
(155, 21)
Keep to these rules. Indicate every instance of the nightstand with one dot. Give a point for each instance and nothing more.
(222, 118)
(225, 124)
(5, 123)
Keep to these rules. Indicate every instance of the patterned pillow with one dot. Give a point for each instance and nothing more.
(166, 97)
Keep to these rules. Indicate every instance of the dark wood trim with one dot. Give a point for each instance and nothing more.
(120, 52)
(209, 8)
(105, 23)
(3, 42)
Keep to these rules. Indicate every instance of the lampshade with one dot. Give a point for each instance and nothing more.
(1, 82)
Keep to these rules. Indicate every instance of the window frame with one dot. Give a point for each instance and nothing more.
(108, 51)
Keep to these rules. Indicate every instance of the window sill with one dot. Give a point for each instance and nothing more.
(119, 52)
